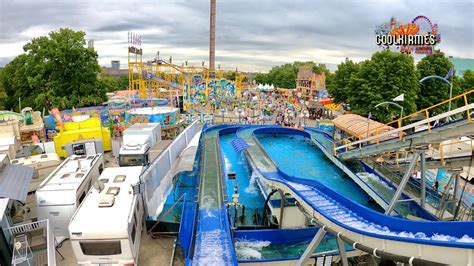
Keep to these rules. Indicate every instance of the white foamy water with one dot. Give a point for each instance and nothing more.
(252, 188)
(367, 177)
(211, 248)
(348, 217)
(208, 201)
(247, 250)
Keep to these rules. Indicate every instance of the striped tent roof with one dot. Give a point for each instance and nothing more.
(358, 126)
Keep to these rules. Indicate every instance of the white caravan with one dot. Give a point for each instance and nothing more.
(137, 141)
(106, 229)
(64, 189)
(43, 163)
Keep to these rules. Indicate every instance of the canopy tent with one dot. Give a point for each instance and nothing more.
(326, 101)
(360, 127)
(265, 87)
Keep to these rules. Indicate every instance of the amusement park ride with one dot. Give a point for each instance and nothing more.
(186, 85)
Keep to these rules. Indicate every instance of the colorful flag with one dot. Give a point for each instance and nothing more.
(399, 98)
(450, 73)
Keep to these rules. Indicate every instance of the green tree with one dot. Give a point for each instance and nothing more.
(57, 70)
(467, 81)
(261, 78)
(284, 76)
(386, 75)
(123, 82)
(339, 88)
(229, 75)
(108, 83)
(433, 91)
(3, 95)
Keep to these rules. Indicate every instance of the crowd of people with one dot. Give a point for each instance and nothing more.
(262, 108)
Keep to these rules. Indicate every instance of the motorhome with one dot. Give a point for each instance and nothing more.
(106, 228)
(44, 164)
(137, 141)
(65, 188)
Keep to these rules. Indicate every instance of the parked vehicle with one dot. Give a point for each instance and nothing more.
(137, 141)
(44, 164)
(64, 190)
(106, 228)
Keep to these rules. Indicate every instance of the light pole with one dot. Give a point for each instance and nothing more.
(394, 104)
(305, 115)
(368, 124)
(239, 111)
(445, 80)
(223, 110)
(290, 115)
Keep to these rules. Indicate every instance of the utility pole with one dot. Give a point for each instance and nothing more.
(212, 36)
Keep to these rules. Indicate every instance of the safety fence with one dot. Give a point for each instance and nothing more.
(158, 177)
(432, 117)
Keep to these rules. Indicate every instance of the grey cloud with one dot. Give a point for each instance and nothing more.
(266, 29)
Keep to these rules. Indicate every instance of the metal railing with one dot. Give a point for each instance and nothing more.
(445, 151)
(157, 177)
(200, 117)
(449, 153)
(380, 133)
(23, 228)
(29, 227)
(412, 187)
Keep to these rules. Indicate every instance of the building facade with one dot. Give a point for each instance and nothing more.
(310, 86)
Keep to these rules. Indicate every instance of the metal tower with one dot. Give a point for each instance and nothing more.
(212, 36)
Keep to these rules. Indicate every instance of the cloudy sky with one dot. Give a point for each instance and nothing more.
(252, 35)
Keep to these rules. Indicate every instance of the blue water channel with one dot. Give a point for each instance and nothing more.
(296, 156)
(249, 194)
(184, 186)
(250, 249)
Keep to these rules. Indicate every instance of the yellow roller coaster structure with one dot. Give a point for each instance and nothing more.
(160, 79)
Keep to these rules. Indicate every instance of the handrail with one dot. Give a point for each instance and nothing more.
(435, 154)
(401, 132)
(22, 228)
(445, 155)
(463, 95)
(377, 134)
(166, 214)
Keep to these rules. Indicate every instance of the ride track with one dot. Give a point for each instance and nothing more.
(408, 241)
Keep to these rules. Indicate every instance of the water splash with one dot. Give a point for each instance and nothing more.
(246, 250)
(252, 187)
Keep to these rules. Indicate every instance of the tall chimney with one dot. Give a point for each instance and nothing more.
(212, 36)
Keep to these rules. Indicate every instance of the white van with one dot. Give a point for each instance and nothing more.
(106, 228)
(64, 189)
(43, 163)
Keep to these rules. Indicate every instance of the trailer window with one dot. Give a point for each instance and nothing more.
(132, 160)
(101, 248)
(133, 233)
(119, 178)
(81, 198)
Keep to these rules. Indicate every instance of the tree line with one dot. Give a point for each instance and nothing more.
(57, 70)
(387, 74)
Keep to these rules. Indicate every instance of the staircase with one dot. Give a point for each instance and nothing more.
(239, 144)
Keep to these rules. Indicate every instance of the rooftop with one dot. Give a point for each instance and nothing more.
(71, 173)
(113, 220)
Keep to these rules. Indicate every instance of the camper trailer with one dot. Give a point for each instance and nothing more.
(137, 141)
(44, 164)
(65, 188)
(106, 229)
